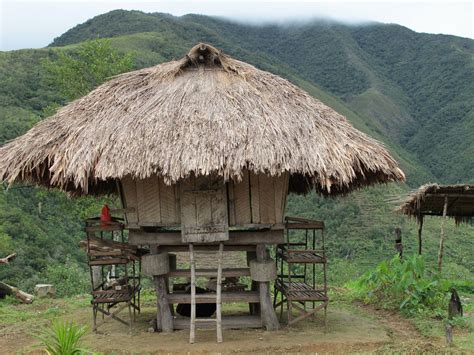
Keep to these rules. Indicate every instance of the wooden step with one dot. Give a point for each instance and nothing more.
(227, 297)
(229, 322)
(235, 272)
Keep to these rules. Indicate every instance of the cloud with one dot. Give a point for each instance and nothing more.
(33, 24)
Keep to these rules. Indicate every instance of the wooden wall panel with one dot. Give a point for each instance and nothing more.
(241, 190)
(267, 199)
(230, 202)
(255, 197)
(129, 194)
(169, 204)
(281, 192)
(148, 194)
(204, 210)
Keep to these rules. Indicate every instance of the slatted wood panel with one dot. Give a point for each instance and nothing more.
(242, 210)
(255, 198)
(258, 199)
(281, 195)
(204, 210)
(129, 194)
(267, 198)
(168, 204)
(300, 291)
(148, 195)
(154, 202)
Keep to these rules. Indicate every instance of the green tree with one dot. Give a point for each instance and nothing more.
(78, 71)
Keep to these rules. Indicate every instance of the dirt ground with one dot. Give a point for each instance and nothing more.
(351, 329)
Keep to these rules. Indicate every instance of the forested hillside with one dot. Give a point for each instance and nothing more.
(412, 91)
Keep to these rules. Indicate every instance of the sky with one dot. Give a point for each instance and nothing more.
(34, 24)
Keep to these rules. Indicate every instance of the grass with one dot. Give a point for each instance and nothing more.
(350, 325)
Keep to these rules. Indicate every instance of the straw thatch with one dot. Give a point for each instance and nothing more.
(204, 113)
(429, 200)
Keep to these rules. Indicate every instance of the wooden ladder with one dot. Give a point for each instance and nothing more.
(218, 297)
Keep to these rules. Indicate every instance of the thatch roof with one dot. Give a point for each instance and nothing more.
(429, 200)
(204, 113)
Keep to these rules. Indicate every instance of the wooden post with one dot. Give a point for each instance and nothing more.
(192, 326)
(420, 229)
(441, 241)
(398, 242)
(164, 318)
(219, 294)
(254, 308)
(268, 315)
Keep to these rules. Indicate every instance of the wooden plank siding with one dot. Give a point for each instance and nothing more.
(204, 209)
(148, 195)
(154, 202)
(129, 194)
(256, 199)
(242, 210)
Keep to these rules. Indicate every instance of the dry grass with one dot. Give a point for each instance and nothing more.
(429, 199)
(204, 113)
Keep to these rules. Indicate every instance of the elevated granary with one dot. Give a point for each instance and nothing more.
(203, 152)
(204, 113)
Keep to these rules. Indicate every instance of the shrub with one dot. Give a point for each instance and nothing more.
(63, 338)
(68, 278)
(402, 284)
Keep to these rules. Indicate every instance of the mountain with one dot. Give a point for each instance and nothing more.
(412, 91)
(415, 90)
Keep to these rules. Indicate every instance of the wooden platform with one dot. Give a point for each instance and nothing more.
(300, 291)
(227, 297)
(229, 322)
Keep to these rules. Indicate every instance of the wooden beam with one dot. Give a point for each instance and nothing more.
(420, 229)
(267, 312)
(139, 237)
(441, 241)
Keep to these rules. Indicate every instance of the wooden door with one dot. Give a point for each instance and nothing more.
(204, 216)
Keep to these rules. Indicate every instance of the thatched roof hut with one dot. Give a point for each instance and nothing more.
(429, 200)
(455, 201)
(202, 114)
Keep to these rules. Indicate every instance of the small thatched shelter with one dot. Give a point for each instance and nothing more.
(455, 201)
(429, 200)
(203, 148)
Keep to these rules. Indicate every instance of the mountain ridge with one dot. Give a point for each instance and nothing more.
(377, 70)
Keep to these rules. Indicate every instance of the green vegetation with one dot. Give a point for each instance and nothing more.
(75, 73)
(404, 284)
(63, 338)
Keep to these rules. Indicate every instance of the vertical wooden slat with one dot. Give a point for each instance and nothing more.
(148, 195)
(219, 207)
(140, 198)
(279, 186)
(188, 203)
(203, 202)
(169, 215)
(242, 200)
(230, 202)
(219, 293)
(255, 197)
(441, 240)
(129, 191)
(286, 185)
(267, 198)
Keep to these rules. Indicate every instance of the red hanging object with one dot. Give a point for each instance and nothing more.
(105, 216)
